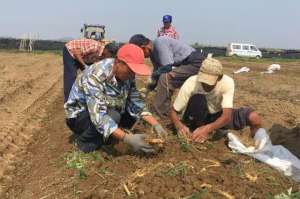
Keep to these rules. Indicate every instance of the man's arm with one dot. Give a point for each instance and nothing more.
(179, 105)
(160, 70)
(135, 105)
(180, 127)
(150, 120)
(79, 58)
(137, 108)
(97, 106)
(119, 134)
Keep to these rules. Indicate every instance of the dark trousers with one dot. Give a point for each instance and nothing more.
(197, 114)
(70, 72)
(168, 82)
(86, 133)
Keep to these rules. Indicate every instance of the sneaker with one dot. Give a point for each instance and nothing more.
(86, 147)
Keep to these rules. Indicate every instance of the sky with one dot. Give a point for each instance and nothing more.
(266, 23)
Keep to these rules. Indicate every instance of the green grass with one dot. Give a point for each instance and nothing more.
(35, 52)
(179, 169)
(198, 195)
(105, 171)
(262, 60)
(239, 170)
(184, 145)
(78, 161)
(289, 194)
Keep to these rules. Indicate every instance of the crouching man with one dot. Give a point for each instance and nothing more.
(104, 99)
(206, 101)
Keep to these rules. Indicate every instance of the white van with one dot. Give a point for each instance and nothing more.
(243, 50)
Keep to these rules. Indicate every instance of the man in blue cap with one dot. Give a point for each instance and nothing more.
(168, 29)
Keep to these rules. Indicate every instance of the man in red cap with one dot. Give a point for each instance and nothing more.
(104, 99)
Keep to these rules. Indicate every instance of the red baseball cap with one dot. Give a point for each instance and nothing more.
(133, 56)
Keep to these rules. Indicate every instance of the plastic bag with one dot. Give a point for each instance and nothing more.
(276, 156)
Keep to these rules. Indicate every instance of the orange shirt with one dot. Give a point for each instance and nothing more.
(87, 48)
(170, 32)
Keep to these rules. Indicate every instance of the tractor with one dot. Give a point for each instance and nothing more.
(93, 31)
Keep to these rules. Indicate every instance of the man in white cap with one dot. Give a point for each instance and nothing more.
(206, 101)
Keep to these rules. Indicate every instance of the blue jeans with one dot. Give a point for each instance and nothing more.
(197, 114)
(88, 139)
(70, 72)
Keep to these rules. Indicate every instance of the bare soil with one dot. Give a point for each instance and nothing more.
(38, 159)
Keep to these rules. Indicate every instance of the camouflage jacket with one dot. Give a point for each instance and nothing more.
(97, 91)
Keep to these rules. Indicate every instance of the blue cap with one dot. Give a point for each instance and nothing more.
(167, 19)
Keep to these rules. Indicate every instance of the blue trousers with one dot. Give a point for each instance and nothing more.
(88, 138)
(70, 72)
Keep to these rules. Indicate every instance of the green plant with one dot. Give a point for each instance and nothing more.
(197, 195)
(77, 160)
(285, 195)
(104, 171)
(178, 169)
(95, 156)
(272, 181)
(239, 170)
(184, 144)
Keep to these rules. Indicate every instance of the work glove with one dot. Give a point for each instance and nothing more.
(160, 131)
(144, 92)
(138, 144)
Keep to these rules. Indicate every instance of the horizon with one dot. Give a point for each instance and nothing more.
(203, 45)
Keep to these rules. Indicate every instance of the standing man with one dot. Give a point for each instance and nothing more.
(78, 54)
(167, 30)
(206, 101)
(104, 99)
(173, 62)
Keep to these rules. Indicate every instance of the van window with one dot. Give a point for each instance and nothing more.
(253, 48)
(245, 47)
(237, 47)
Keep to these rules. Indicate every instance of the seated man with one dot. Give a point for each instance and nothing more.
(104, 99)
(207, 102)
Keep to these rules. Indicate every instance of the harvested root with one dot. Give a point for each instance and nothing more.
(157, 143)
(126, 189)
(250, 177)
(223, 193)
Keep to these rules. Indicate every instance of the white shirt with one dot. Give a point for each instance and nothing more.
(217, 99)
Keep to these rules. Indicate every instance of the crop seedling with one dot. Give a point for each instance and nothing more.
(178, 169)
(77, 160)
(184, 144)
(285, 195)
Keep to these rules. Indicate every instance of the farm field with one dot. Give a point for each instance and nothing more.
(39, 161)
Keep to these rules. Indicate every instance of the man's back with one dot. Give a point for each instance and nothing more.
(168, 51)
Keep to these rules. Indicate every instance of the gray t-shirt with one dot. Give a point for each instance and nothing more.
(169, 51)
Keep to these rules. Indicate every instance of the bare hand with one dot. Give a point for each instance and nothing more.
(201, 134)
(184, 131)
(172, 74)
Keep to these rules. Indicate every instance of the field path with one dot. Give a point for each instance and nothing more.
(29, 85)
